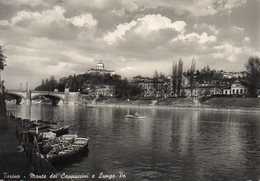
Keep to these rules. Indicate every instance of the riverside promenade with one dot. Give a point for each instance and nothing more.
(15, 165)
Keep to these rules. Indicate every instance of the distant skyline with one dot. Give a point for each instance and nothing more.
(132, 37)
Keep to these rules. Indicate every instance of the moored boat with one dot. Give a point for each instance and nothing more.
(60, 130)
(65, 150)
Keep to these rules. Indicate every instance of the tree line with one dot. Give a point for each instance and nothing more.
(78, 83)
(252, 79)
(125, 89)
(2, 58)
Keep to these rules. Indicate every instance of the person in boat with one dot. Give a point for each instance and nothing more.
(136, 114)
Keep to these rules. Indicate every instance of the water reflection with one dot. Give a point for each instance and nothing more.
(168, 145)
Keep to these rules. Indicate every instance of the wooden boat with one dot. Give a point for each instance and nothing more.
(134, 116)
(48, 144)
(60, 130)
(43, 127)
(65, 150)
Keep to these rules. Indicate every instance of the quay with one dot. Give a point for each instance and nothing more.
(17, 165)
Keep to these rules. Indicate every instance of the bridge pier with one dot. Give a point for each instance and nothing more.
(28, 101)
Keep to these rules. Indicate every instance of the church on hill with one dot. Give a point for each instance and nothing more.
(100, 69)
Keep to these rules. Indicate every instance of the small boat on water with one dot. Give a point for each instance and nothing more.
(134, 116)
(71, 146)
(60, 130)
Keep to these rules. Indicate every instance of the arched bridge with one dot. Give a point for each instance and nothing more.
(28, 96)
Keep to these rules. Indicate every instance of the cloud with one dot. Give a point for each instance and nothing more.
(157, 22)
(227, 53)
(130, 36)
(194, 7)
(144, 26)
(194, 37)
(49, 16)
(36, 18)
(129, 5)
(234, 35)
(84, 20)
(204, 27)
(111, 37)
(32, 3)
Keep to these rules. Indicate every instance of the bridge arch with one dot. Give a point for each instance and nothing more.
(16, 96)
(35, 95)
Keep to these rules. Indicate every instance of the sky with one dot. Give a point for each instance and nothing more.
(133, 37)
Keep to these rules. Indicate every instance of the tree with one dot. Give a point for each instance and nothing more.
(191, 76)
(156, 74)
(48, 84)
(156, 77)
(2, 58)
(174, 78)
(179, 77)
(253, 70)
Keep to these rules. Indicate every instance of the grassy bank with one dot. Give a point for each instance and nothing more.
(229, 102)
(233, 102)
(183, 102)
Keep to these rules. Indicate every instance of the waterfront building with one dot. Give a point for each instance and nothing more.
(152, 87)
(207, 88)
(99, 90)
(104, 90)
(238, 88)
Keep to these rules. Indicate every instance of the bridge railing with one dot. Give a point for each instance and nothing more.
(14, 90)
(50, 92)
(33, 91)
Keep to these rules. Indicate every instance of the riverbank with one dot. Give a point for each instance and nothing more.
(214, 104)
(178, 102)
(233, 102)
(17, 165)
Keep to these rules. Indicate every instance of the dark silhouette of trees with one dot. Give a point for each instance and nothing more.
(123, 89)
(155, 82)
(2, 58)
(77, 83)
(208, 74)
(191, 76)
(48, 84)
(174, 79)
(179, 77)
(253, 70)
(177, 72)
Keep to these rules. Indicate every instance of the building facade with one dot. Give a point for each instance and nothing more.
(152, 87)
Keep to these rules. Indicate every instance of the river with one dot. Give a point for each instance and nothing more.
(167, 145)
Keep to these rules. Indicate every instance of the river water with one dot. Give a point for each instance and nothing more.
(167, 145)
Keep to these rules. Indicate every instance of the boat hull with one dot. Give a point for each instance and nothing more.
(68, 154)
(134, 117)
